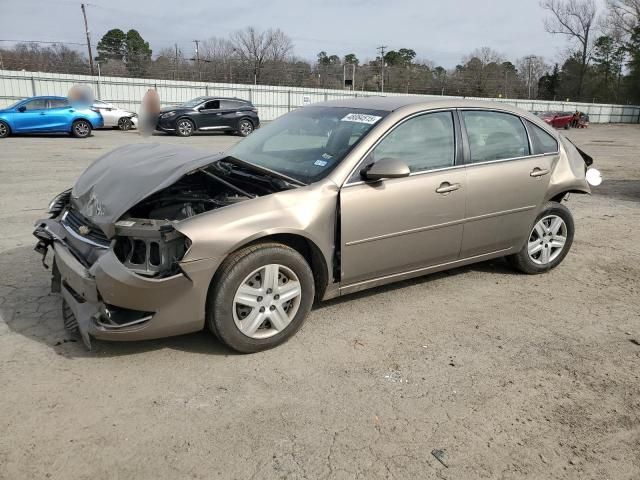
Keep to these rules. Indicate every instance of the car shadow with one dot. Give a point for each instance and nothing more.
(619, 189)
(46, 135)
(29, 309)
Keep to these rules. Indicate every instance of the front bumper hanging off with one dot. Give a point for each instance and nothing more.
(110, 302)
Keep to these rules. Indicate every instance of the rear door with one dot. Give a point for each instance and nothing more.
(32, 119)
(59, 114)
(232, 111)
(507, 179)
(403, 224)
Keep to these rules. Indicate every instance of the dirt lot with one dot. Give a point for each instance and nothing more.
(512, 376)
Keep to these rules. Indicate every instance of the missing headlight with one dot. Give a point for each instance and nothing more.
(150, 248)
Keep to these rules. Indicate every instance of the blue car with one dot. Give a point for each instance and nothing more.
(49, 115)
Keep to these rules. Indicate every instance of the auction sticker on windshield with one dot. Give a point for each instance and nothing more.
(361, 118)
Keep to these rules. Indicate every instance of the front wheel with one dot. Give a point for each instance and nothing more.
(549, 241)
(125, 124)
(81, 129)
(260, 297)
(5, 131)
(245, 127)
(184, 127)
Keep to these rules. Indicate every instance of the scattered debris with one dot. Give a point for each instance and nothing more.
(543, 458)
(65, 340)
(439, 454)
(395, 376)
(357, 343)
(634, 341)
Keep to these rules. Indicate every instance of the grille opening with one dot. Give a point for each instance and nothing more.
(139, 255)
(154, 254)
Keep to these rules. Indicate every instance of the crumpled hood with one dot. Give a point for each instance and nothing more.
(123, 177)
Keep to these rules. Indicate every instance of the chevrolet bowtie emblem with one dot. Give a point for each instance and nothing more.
(84, 230)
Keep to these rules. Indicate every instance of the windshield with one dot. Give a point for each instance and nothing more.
(307, 143)
(193, 103)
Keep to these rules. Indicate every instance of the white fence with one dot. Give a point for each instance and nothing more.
(272, 101)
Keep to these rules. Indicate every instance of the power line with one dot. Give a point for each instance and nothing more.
(42, 41)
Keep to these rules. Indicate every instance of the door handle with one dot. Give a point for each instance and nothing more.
(218, 114)
(539, 172)
(446, 187)
(42, 113)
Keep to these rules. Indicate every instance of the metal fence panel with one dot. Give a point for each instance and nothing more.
(272, 101)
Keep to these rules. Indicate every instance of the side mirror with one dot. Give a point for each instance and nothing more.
(385, 168)
(22, 108)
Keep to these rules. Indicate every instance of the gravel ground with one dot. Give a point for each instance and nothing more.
(511, 376)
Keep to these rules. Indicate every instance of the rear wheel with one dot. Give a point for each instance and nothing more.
(184, 127)
(125, 124)
(81, 129)
(260, 297)
(549, 241)
(5, 131)
(245, 127)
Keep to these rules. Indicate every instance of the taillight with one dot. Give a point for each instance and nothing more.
(97, 110)
(254, 109)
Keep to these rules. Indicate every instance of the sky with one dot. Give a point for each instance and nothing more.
(440, 31)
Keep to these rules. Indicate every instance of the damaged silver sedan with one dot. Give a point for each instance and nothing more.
(330, 199)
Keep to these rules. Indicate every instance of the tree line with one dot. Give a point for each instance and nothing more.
(600, 62)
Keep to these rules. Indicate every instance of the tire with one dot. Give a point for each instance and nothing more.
(567, 126)
(541, 252)
(245, 127)
(125, 124)
(249, 268)
(81, 129)
(184, 127)
(5, 130)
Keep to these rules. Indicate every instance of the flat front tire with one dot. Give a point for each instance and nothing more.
(81, 129)
(260, 297)
(549, 240)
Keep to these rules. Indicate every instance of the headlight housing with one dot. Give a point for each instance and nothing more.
(168, 114)
(58, 203)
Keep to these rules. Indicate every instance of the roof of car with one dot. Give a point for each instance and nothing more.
(396, 102)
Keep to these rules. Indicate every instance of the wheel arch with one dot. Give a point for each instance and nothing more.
(300, 243)
(182, 117)
(558, 197)
(77, 119)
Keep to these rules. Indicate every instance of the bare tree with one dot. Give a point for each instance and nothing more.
(530, 69)
(624, 15)
(257, 47)
(575, 19)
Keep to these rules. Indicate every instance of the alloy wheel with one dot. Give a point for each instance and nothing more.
(82, 129)
(185, 128)
(124, 124)
(547, 240)
(267, 301)
(4, 130)
(246, 127)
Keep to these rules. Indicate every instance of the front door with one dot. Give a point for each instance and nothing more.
(404, 224)
(32, 118)
(506, 182)
(209, 116)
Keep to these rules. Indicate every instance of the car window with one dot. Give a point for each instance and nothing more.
(495, 135)
(211, 105)
(231, 104)
(37, 104)
(423, 143)
(58, 103)
(541, 141)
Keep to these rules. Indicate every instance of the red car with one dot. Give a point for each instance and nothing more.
(558, 119)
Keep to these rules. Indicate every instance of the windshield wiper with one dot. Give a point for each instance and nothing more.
(252, 166)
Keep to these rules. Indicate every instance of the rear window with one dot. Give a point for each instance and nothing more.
(495, 135)
(541, 141)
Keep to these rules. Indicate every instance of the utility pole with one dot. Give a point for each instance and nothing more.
(86, 29)
(529, 59)
(197, 42)
(381, 49)
(175, 71)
